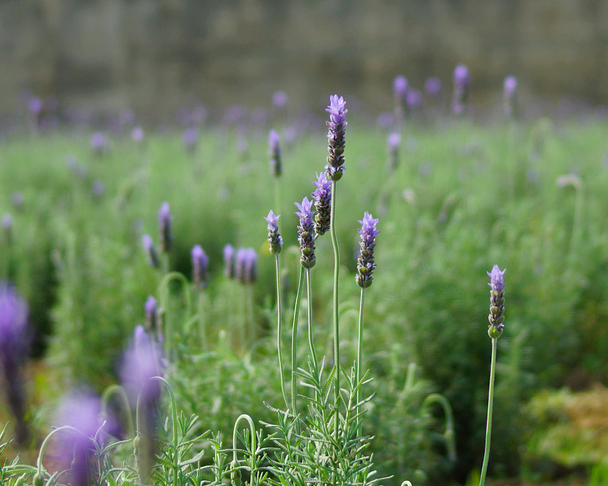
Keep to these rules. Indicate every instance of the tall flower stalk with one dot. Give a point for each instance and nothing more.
(275, 241)
(495, 329)
(365, 268)
(334, 170)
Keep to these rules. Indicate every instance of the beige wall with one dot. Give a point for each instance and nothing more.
(161, 54)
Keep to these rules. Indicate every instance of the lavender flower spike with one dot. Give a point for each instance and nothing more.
(337, 125)
(306, 233)
(276, 167)
(462, 81)
(510, 96)
(497, 302)
(322, 198)
(229, 261)
(365, 262)
(151, 309)
(200, 262)
(151, 252)
(164, 222)
(274, 238)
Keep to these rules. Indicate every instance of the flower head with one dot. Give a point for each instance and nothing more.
(14, 339)
(229, 261)
(164, 223)
(335, 135)
(322, 198)
(275, 153)
(497, 302)
(306, 233)
(200, 262)
(150, 250)
(246, 269)
(365, 262)
(274, 238)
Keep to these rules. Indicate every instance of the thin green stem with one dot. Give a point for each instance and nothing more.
(336, 314)
(202, 328)
(294, 334)
(360, 351)
(120, 392)
(280, 326)
(486, 454)
(250, 315)
(311, 343)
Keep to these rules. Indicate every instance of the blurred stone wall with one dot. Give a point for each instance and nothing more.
(158, 55)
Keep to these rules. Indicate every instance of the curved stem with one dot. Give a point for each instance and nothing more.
(336, 316)
(280, 327)
(294, 334)
(486, 454)
(120, 391)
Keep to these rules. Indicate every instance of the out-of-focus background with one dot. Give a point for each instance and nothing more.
(154, 56)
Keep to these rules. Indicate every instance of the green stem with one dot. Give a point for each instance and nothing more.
(119, 391)
(486, 454)
(202, 328)
(336, 314)
(294, 334)
(360, 352)
(280, 327)
(311, 343)
(250, 315)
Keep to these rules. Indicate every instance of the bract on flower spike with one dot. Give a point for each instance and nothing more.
(274, 238)
(306, 233)
(497, 302)
(365, 262)
(200, 262)
(322, 198)
(335, 135)
(275, 153)
(164, 223)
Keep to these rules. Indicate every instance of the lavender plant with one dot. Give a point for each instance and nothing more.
(462, 81)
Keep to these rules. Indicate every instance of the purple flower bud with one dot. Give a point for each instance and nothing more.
(462, 81)
(510, 96)
(200, 262)
(279, 99)
(393, 141)
(322, 198)
(164, 223)
(246, 265)
(432, 86)
(275, 153)
(274, 238)
(99, 143)
(365, 262)
(335, 135)
(306, 233)
(151, 310)
(229, 261)
(497, 302)
(151, 252)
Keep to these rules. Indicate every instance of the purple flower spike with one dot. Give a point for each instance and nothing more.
(151, 309)
(274, 238)
(279, 99)
(164, 223)
(275, 153)
(82, 412)
(322, 198)
(99, 143)
(432, 86)
(150, 250)
(393, 141)
(306, 233)
(246, 265)
(365, 262)
(200, 262)
(335, 135)
(462, 81)
(229, 261)
(497, 302)
(400, 87)
(141, 362)
(14, 345)
(510, 96)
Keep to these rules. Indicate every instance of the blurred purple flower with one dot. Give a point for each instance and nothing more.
(275, 153)
(413, 99)
(432, 86)
(365, 262)
(164, 224)
(138, 135)
(151, 309)
(385, 120)
(35, 106)
(246, 265)
(510, 96)
(150, 250)
(322, 199)
(200, 262)
(190, 139)
(400, 89)
(229, 261)
(335, 135)
(393, 141)
(274, 238)
(306, 233)
(462, 81)
(279, 99)
(99, 143)
(199, 115)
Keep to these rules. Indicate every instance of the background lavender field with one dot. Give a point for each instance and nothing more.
(459, 196)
